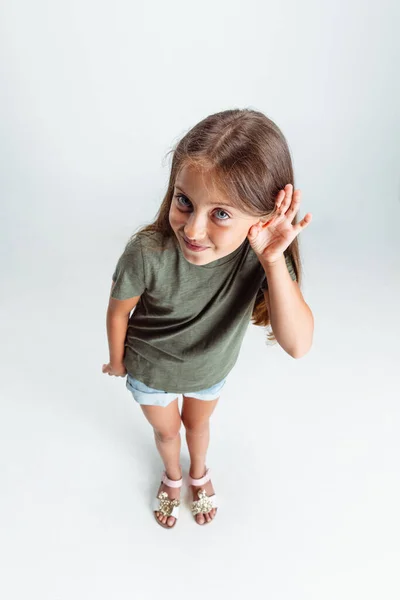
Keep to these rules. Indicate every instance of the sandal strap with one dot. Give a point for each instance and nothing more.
(171, 482)
(201, 481)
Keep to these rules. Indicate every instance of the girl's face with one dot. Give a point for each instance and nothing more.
(202, 215)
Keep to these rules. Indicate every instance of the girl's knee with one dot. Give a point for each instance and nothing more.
(166, 435)
(196, 427)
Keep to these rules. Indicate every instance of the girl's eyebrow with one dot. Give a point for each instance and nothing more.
(209, 203)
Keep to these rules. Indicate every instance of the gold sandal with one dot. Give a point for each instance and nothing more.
(205, 503)
(163, 504)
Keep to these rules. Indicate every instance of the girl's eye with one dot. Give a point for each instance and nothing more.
(179, 196)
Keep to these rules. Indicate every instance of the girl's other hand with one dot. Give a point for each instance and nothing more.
(270, 239)
(116, 370)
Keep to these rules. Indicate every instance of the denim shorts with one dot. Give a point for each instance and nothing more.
(150, 396)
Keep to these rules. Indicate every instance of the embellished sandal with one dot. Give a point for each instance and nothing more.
(163, 504)
(205, 503)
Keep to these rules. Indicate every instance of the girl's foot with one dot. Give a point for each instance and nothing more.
(172, 494)
(208, 488)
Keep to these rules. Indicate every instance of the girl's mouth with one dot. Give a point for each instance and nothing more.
(194, 248)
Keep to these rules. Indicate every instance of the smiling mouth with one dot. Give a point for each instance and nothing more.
(194, 245)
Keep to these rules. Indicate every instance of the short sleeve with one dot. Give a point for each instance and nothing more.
(129, 275)
(289, 264)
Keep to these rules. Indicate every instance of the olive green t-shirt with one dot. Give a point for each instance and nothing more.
(186, 331)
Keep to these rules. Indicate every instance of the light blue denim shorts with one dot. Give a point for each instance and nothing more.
(150, 396)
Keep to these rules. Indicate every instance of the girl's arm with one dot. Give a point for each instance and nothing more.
(291, 318)
(118, 312)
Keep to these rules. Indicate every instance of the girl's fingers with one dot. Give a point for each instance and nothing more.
(280, 198)
(287, 203)
(303, 223)
(283, 200)
(294, 206)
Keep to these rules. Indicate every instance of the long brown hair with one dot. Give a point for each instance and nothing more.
(249, 160)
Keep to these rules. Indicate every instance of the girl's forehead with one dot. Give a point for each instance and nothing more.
(195, 180)
(192, 173)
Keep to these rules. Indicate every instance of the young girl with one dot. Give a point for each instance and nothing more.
(222, 251)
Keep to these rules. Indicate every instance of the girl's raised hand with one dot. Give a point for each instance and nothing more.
(116, 370)
(269, 240)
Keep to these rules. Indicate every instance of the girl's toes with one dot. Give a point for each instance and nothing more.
(208, 518)
(171, 521)
(200, 518)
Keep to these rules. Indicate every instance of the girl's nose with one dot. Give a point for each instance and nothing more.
(195, 229)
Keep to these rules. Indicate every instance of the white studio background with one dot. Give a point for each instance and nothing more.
(305, 453)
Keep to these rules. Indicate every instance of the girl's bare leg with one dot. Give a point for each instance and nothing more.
(196, 419)
(166, 423)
